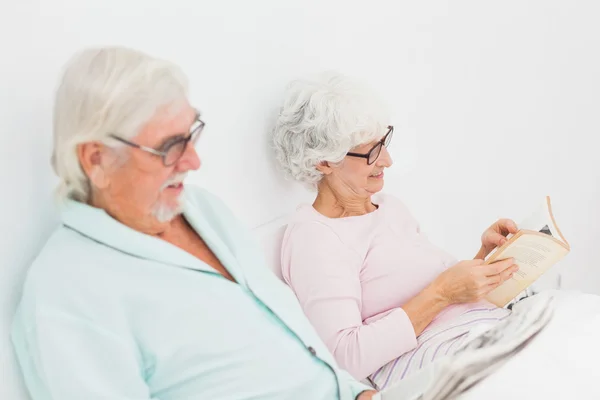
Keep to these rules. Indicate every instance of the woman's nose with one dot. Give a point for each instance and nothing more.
(385, 159)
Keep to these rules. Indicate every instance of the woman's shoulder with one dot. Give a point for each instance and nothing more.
(390, 202)
(308, 223)
(389, 205)
(307, 227)
(396, 210)
(315, 242)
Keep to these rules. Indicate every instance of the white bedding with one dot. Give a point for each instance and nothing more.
(561, 363)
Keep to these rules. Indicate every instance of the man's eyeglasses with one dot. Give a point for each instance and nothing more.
(172, 150)
(373, 154)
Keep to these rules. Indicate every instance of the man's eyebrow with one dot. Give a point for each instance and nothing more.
(178, 136)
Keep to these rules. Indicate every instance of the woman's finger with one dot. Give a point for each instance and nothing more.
(498, 279)
(508, 226)
(497, 239)
(494, 280)
(497, 267)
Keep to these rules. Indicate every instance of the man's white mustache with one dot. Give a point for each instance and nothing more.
(177, 179)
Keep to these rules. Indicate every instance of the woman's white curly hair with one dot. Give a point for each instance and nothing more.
(322, 118)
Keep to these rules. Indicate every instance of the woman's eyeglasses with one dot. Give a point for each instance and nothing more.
(373, 154)
(172, 150)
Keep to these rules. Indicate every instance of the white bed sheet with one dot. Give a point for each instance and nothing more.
(561, 363)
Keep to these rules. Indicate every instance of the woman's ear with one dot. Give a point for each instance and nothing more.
(324, 167)
(92, 158)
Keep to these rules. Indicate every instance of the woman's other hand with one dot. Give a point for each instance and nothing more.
(469, 281)
(495, 236)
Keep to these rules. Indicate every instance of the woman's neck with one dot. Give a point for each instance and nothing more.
(335, 205)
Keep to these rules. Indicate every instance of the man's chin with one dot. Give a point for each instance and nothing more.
(166, 215)
(166, 211)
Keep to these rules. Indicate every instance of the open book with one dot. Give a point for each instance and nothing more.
(536, 247)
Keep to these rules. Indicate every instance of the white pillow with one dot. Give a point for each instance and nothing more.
(270, 236)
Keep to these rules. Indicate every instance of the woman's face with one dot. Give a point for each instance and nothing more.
(354, 176)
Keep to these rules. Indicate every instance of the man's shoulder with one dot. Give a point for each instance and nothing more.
(200, 195)
(64, 244)
(212, 208)
(63, 269)
(204, 199)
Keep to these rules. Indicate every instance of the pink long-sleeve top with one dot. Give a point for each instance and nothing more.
(352, 275)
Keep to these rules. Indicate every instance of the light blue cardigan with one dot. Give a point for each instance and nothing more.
(111, 313)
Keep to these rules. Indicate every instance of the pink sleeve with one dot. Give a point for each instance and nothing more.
(325, 275)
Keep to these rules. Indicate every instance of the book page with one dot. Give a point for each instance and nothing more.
(534, 253)
(542, 220)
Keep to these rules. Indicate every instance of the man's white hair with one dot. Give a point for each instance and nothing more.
(322, 118)
(103, 91)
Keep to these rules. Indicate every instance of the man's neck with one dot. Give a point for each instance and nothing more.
(144, 223)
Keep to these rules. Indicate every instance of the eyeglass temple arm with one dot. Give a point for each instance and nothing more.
(139, 146)
(358, 155)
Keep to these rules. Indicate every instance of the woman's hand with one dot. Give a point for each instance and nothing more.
(495, 236)
(469, 281)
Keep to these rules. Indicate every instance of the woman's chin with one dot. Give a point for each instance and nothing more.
(373, 188)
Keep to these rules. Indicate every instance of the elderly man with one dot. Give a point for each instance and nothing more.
(150, 289)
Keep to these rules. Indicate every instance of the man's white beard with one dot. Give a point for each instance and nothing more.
(165, 213)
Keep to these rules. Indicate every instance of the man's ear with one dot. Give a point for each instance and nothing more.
(93, 159)
(324, 168)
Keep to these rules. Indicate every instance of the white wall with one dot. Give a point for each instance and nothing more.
(495, 105)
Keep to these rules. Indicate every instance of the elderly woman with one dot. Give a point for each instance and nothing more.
(150, 289)
(384, 299)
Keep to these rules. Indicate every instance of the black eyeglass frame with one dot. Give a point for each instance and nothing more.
(195, 131)
(385, 141)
